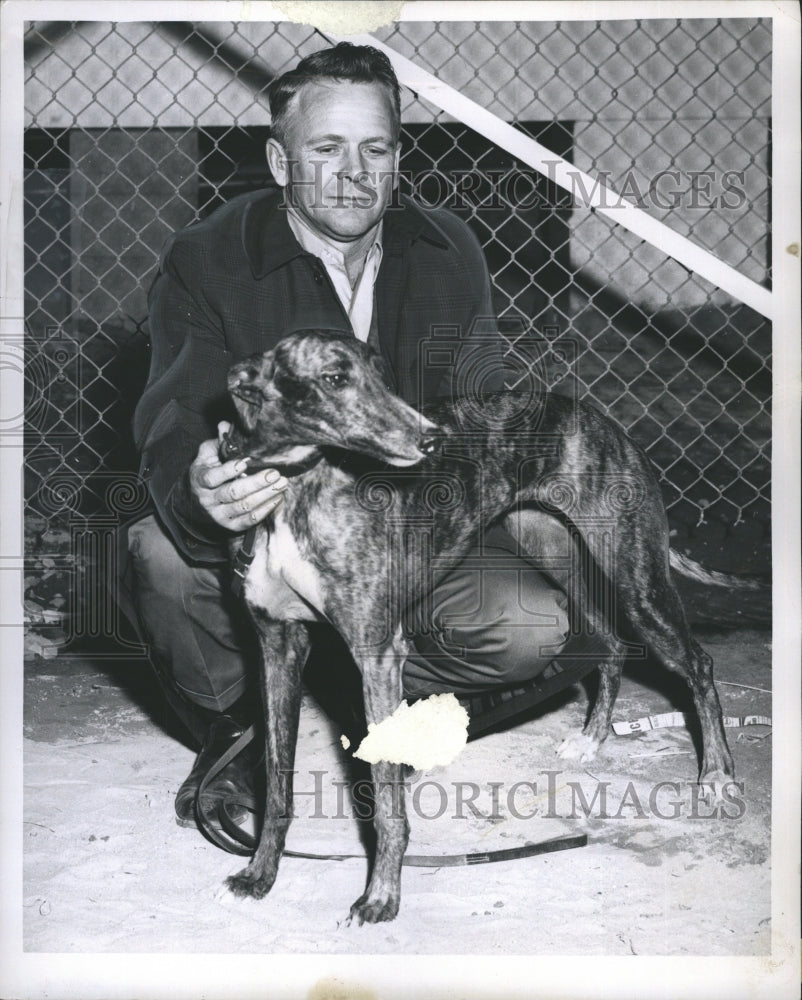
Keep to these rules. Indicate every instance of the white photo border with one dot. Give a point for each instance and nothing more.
(127, 975)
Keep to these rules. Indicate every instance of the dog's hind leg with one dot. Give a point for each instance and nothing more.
(649, 599)
(383, 693)
(598, 618)
(666, 630)
(717, 764)
(584, 745)
(285, 646)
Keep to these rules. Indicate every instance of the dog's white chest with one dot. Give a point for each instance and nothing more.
(280, 581)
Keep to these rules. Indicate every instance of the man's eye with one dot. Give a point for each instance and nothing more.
(336, 379)
(326, 150)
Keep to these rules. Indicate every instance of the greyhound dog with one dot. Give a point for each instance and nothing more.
(363, 469)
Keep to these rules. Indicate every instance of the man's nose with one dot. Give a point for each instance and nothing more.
(353, 163)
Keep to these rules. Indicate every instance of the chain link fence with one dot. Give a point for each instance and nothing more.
(134, 130)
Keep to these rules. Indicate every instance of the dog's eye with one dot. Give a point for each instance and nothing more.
(336, 379)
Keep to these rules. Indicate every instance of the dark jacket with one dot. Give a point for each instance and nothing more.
(235, 283)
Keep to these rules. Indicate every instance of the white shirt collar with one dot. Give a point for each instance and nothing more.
(320, 246)
(357, 301)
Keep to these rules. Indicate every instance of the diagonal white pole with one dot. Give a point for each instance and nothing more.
(602, 200)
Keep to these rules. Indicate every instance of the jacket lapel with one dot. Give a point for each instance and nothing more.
(404, 223)
(390, 285)
(267, 238)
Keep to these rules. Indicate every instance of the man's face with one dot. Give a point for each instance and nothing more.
(339, 167)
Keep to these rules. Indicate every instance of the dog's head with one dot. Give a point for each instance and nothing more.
(316, 389)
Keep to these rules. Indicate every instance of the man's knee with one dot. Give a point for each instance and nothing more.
(156, 560)
(521, 626)
(166, 588)
(198, 635)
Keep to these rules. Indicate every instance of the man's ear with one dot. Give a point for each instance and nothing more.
(278, 162)
(396, 161)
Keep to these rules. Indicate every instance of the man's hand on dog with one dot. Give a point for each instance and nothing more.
(229, 496)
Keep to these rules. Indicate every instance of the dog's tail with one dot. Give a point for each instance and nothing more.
(712, 578)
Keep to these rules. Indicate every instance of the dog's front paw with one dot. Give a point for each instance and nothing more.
(253, 882)
(373, 911)
(579, 746)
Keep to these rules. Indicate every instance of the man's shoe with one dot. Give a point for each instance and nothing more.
(236, 779)
(490, 709)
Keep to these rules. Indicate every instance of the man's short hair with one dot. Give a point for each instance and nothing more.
(348, 62)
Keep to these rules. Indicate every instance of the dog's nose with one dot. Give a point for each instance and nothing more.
(428, 445)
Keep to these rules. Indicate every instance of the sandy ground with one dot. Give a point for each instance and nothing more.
(107, 869)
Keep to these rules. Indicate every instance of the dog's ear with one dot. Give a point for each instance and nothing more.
(247, 383)
(268, 367)
(265, 378)
(248, 403)
(248, 413)
(377, 363)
